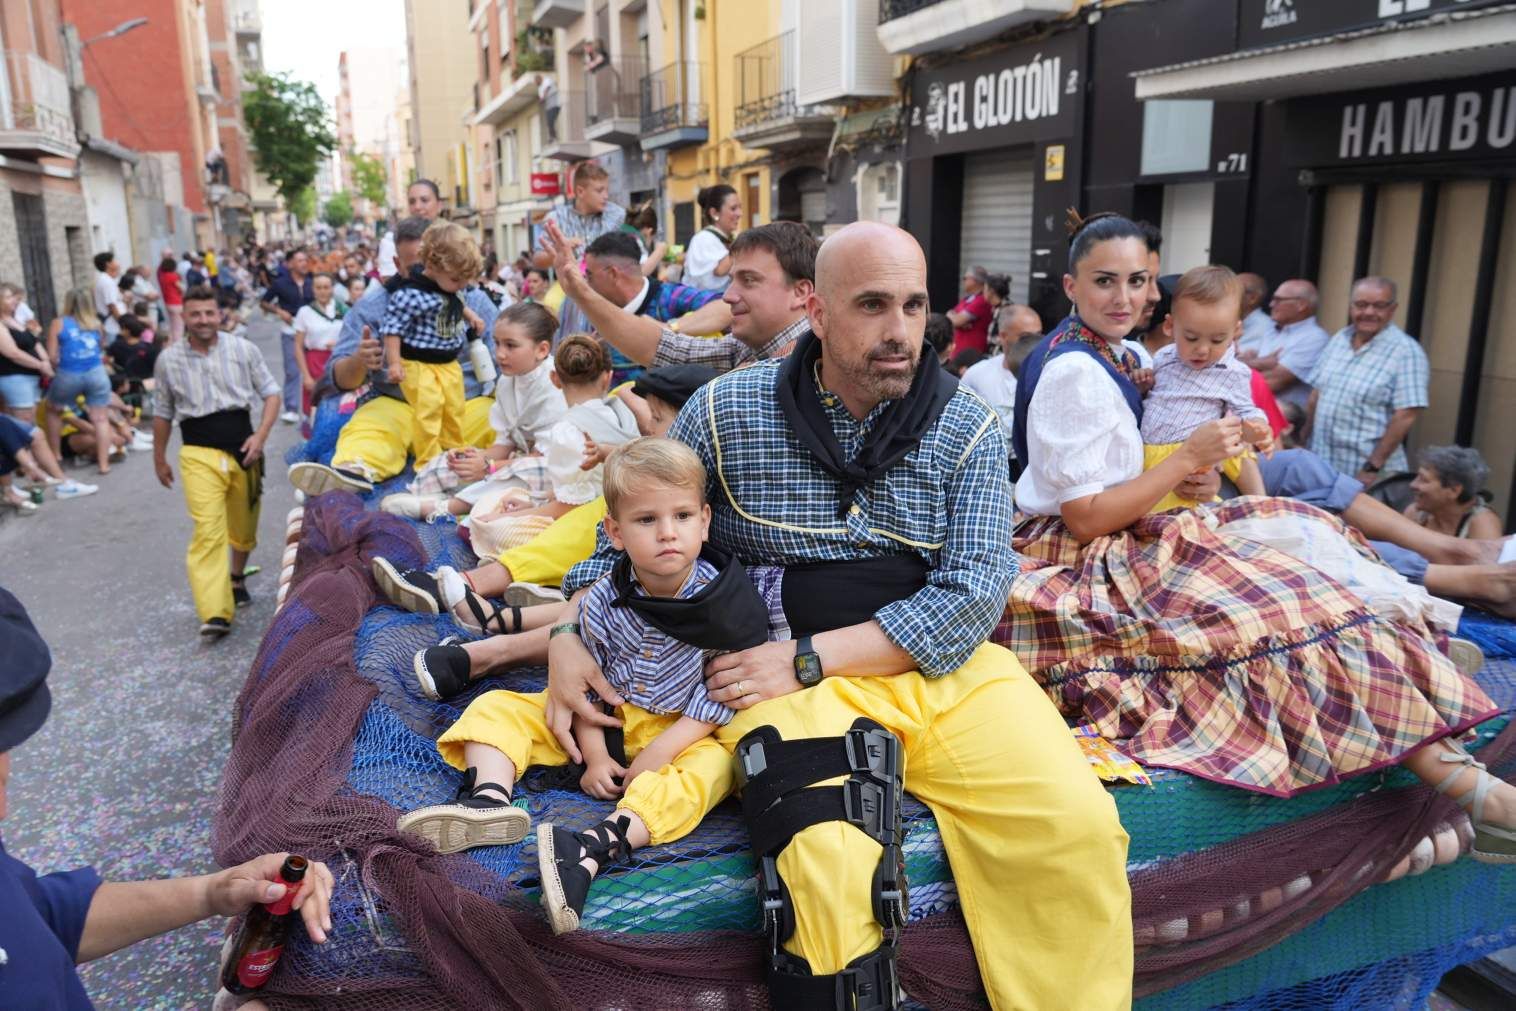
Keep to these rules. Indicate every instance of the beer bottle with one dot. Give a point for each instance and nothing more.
(261, 939)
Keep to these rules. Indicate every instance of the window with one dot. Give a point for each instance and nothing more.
(1176, 136)
(508, 159)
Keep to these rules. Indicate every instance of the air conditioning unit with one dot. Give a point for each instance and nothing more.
(840, 54)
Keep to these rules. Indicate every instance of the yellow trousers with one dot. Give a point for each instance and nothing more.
(671, 801)
(435, 393)
(547, 557)
(1035, 843)
(218, 494)
(1153, 455)
(379, 434)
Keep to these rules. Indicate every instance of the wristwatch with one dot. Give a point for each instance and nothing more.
(807, 663)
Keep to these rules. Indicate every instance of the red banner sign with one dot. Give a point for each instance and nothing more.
(546, 184)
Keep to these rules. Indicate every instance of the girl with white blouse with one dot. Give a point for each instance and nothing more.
(708, 260)
(1196, 647)
(317, 325)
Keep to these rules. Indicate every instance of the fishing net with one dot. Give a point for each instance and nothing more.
(1237, 898)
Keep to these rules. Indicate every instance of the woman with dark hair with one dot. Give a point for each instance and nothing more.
(172, 286)
(1448, 487)
(1193, 642)
(708, 260)
(642, 222)
(997, 292)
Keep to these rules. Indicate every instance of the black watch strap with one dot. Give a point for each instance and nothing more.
(807, 663)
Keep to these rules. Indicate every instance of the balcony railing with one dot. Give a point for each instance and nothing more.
(567, 141)
(615, 91)
(36, 111)
(891, 9)
(766, 83)
(670, 98)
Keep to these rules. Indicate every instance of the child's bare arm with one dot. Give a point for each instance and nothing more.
(600, 771)
(1249, 478)
(394, 369)
(667, 746)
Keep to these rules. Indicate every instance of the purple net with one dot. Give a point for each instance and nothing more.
(328, 748)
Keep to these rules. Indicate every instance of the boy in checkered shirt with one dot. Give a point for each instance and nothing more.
(1198, 378)
(425, 325)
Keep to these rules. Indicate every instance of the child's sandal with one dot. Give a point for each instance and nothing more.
(1492, 844)
(472, 819)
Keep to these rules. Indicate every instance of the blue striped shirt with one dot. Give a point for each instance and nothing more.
(948, 500)
(651, 669)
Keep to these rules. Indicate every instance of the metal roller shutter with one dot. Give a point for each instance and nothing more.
(997, 215)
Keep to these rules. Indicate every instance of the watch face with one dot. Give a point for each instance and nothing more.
(808, 669)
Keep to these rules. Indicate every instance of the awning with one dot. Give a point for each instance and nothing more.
(1455, 44)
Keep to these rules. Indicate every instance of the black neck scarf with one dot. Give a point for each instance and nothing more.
(725, 614)
(898, 431)
(452, 305)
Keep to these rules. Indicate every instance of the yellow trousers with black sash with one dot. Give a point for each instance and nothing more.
(379, 434)
(223, 500)
(1036, 847)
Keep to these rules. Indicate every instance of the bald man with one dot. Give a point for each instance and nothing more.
(882, 487)
(994, 379)
(1288, 357)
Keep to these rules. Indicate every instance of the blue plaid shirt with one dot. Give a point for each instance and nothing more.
(949, 501)
(1357, 393)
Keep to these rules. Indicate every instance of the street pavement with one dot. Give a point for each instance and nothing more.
(125, 773)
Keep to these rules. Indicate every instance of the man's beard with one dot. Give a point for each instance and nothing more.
(881, 386)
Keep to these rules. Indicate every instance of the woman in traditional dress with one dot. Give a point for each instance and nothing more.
(1197, 649)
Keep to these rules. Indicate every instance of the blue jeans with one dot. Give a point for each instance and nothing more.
(291, 373)
(1301, 474)
(67, 387)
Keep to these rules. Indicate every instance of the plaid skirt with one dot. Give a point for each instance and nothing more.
(1225, 658)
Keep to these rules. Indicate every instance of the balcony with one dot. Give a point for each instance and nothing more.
(248, 20)
(570, 143)
(557, 13)
(513, 97)
(35, 119)
(767, 114)
(924, 26)
(614, 111)
(672, 114)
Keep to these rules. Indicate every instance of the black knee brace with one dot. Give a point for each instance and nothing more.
(778, 799)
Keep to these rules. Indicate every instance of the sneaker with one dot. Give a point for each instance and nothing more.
(240, 596)
(23, 506)
(526, 594)
(215, 628)
(413, 507)
(318, 479)
(415, 590)
(142, 442)
(442, 670)
(475, 818)
(75, 489)
(289, 417)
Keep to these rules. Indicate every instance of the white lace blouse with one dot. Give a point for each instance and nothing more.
(1081, 436)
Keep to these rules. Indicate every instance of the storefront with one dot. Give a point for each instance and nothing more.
(1390, 149)
(992, 146)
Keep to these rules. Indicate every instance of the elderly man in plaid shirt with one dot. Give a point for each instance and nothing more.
(854, 449)
(1368, 388)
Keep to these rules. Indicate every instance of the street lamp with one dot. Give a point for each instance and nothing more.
(120, 29)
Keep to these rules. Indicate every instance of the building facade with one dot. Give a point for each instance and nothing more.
(1385, 144)
(44, 231)
(439, 55)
